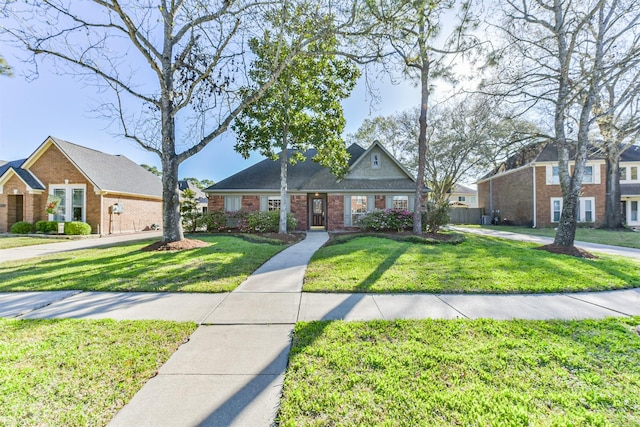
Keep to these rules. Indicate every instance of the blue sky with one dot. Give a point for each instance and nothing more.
(61, 106)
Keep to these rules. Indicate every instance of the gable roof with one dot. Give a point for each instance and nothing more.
(15, 167)
(461, 189)
(310, 176)
(107, 172)
(631, 154)
(184, 184)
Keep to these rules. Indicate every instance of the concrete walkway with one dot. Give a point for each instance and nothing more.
(231, 370)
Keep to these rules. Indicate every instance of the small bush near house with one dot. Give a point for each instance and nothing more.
(214, 221)
(22, 227)
(76, 228)
(265, 222)
(47, 226)
(387, 220)
(435, 216)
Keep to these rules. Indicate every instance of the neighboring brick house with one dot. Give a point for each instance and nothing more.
(110, 193)
(525, 190)
(203, 202)
(318, 200)
(463, 197)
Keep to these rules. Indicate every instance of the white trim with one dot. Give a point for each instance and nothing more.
(68, 208)
(581, 208)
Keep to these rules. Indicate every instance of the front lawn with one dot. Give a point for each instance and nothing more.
(16, 242)
(78, 372)
(219, 267)
(463, 372)
(478, 265)
(628, 239)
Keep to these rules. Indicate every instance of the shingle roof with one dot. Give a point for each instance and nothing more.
(306, 176)
(459, 188)
(630, 189)
(113, 173)
(631, 154)
(24, 174)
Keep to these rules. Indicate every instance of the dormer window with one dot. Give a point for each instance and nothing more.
(375, 161)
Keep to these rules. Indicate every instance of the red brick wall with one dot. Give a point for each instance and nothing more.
(546, 192)
(216, 203)
(512, 196)
(299, 209)
(380, 202)
(137, 215)
(335, 212)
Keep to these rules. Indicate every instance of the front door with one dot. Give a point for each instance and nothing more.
(318, 211)
(16, 209)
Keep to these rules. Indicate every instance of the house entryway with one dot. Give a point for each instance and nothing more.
(317, 211)
(15, 204)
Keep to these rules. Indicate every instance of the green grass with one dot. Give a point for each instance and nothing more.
(627, 239)
(462, 372)
(16, 242)
(478, 265)
(220, 267)
(78, 372)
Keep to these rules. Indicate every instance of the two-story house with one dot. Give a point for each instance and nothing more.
(525, 190)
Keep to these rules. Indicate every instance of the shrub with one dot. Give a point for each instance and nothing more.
(76, 228)
(435, 216)
(386, 220)
(22, 227)
(47, 226)
(265, 222)
(214, 221)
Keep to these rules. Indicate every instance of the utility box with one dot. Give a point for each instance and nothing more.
(117, 209)
(61, 228)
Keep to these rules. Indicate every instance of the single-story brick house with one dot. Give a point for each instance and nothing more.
(109, 192)
(318, 200)
(525, 190)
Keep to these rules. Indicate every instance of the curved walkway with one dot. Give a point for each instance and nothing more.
(231, 371)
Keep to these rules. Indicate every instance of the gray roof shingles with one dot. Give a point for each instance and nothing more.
(113, 173)
(306, 176)
(24, 174)
(630, 189)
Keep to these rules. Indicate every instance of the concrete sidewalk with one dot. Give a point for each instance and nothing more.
(25, 252)
(591, 247)
(231, 371)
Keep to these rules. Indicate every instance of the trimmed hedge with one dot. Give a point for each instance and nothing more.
(22, 227)
(245, 222)
(76, 228)
(387, 220)
(47, 226)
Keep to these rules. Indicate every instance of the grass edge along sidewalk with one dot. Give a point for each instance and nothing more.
(480, 264)
(463, 372)
(79, 372)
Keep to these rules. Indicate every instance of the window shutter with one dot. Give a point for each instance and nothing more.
(347, 211)
(412, 203)
(289, 199)
(388, 202)
(264, 200)
(371, 203)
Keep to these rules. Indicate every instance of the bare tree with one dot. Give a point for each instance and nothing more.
(555, 61)
(413, 31)
(174, 68)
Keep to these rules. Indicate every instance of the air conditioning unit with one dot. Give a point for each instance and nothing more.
(118, 208)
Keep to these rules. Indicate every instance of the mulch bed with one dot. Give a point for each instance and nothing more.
(567, 250)
(176, 246)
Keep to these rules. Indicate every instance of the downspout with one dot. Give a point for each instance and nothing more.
(491, 196)
(535, 200)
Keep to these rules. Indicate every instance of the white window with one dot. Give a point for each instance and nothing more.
(555, 175)
(472, 199)
(401, 202)
(587, 178)
(623, 174)
(586, 206)
(273, 203)
(462, 198)
(72, 204)
(634, 211)
(232, 203)
(375, 160)
(358, 208)
(634, 173)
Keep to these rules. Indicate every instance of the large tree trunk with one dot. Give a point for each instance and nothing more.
(171, 223)
(422, 136)
(284, 202)
(612, 212)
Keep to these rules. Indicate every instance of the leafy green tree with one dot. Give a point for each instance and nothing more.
(153, 169)
(301, 110)
(200, 184)
(189, 210)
